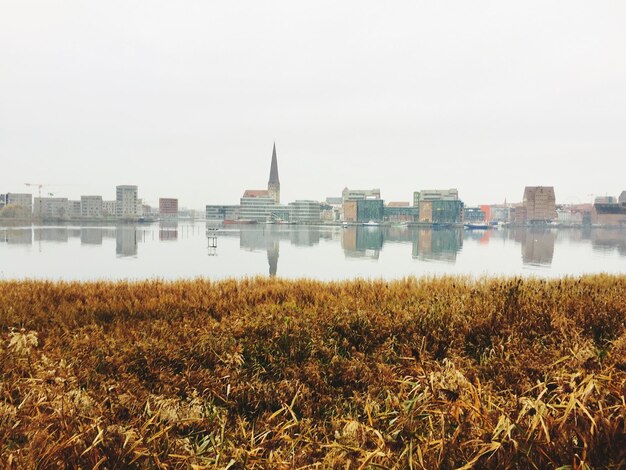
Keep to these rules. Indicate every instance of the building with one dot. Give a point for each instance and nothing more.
(109, 208)
(51, 208)
(256, 206)
(74, 209)
(304, 211)
(128, 205)
(400, 212)
(441, 212)
(500, 213)
(358, 194)
(273, 185)
(435, 195)
(222, 213)
(168, 207)
(3, 200)
(611, 213)
(369, 210)
(474, 214)
(622, 198)
(23, 200)
(91, 207)
(540, 204)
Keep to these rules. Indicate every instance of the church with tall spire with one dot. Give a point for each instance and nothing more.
(273, 185)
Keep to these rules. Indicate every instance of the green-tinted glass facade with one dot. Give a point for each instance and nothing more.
(447, 212)
(369, 209)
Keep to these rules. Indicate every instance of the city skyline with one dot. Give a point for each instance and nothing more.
(485, 97)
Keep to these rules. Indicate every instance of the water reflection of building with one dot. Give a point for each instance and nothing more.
(433, 244)
(537, 245)
(17, 236)
(267, 239)
(361, 242)
(52, 234)
(126, 240)
(168, 230)
(305, 237)
(91, 236)
(608, 240)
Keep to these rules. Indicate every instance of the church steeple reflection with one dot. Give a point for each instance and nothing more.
(272, 256)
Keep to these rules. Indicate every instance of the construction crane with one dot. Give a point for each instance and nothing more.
(39, 186)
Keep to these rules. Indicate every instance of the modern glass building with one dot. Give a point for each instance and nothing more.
(369, 210)
(305, 211)
(258, 209)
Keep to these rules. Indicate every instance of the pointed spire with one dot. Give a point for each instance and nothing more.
(274, 167)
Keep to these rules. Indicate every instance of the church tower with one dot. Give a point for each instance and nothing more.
(273, 185)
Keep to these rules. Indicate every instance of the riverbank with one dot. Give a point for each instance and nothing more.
(273, 373)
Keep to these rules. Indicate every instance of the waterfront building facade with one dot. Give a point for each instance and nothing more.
(304, 211)
(168, 207)
(23, 200)
(435, 195)
(256, 208)
(358, 194)
(74, 209)
(128, 205)
(51, 207)
(539, 204)
(91, 207)
(109, 208)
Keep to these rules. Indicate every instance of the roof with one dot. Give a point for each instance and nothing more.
(274, 167)
(256, 193)
(398, 204)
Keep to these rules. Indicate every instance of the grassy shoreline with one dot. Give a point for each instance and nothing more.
(429, 373)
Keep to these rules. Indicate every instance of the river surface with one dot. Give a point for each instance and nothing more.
(170, 250)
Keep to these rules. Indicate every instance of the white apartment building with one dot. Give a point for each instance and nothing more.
(91, 206)
(305, 211)
(73, 209)
(23, 200)
(257, 208)
(109, 208)
(128, 205)
(51, 207)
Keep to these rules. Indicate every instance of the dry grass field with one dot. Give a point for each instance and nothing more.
(266, 373)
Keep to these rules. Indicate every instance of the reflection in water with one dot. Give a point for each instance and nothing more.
(126, 241)
(52, 234)
(500, 249)
(168, 230)
(437, 244)
(362, 242)
(537, 245)
(608, 240)
(17, 236)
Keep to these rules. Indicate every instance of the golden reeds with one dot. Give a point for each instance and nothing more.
(432, 373)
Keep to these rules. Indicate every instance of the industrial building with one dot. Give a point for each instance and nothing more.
(539, 205)
(400, 212)
(610, 213)
(435, 195)
(358, 194)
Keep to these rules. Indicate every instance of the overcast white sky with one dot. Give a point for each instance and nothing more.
(185, 98)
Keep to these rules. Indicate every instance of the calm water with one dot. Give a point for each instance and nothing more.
(170, 251)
